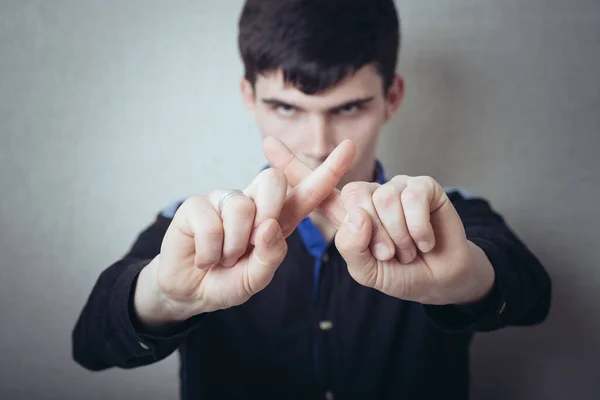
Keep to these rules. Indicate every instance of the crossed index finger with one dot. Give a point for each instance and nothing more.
(311, 188)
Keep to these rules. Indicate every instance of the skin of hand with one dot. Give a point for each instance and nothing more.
(213, 259)
(403, 238)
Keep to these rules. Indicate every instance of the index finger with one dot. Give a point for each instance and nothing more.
(311, 189)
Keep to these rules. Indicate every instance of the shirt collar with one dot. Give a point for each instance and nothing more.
(379, 173)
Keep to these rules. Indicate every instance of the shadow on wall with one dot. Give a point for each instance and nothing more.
(442, 130)
(556, 360)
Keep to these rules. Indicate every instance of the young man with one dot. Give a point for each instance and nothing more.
(293, 289)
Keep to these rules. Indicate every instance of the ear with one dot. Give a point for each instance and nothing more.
(247, 94)
(394, 97)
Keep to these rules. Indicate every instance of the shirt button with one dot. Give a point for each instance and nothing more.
(325, 258)
(144, 346)
(329, 395)
(325, 325)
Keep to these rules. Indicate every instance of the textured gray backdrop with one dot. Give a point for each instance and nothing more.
(110, 110)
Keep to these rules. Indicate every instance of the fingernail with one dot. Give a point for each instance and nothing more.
(227, 263)
(382, 252)
(406, 256)
(355, 221)
(272, 235)
(424, 246)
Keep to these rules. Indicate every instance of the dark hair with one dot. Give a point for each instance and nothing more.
(317, 43)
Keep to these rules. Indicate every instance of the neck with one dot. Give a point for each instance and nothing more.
(366, 174)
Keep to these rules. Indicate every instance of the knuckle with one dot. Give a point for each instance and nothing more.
(194, 202)
(273, 176)
(404, 241)
(400, 180)
(354, 189)
(215, 194)
(340, 243)
(411, 195)
(279, 253)
(419, 232)
(313, 194)
(212, 231)
(424, 182)
(385, 196)
(270, 178)
(233, 255)
(238, 207)
(274, 255)
(243, 206)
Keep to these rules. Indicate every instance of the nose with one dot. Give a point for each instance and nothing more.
(321, 136)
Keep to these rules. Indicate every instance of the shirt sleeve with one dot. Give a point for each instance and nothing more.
(521, 294)
(107, 333)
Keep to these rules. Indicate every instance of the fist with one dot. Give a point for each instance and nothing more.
(206, 260)
(213, 258)
(403, 238)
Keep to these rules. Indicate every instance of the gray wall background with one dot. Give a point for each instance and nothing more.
(110, 110)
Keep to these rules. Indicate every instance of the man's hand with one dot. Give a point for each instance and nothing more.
(403, 238)
(212, 259)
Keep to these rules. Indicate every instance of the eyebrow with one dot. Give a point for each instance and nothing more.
(351, 103)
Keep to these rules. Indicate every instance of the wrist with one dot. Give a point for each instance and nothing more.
(480, 280)
(153, 309)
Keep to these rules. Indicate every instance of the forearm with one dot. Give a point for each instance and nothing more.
(520, 291)
(109, 333)
(523, 285)
(103, 336)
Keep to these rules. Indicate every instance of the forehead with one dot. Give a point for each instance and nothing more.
(366, 82)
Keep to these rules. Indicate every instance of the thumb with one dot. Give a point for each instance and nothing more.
(352, 241)
(269, 251)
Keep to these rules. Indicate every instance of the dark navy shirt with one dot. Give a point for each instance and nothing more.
(314, 332)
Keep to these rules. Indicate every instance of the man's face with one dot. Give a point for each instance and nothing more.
(313, 125)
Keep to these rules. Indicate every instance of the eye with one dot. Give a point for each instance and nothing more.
(285, 111)
(349, 110)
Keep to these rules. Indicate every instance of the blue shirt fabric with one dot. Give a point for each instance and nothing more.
(315, 242)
